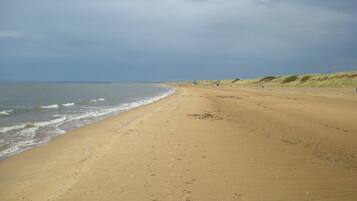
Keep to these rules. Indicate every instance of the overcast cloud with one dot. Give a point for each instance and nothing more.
(156, 40)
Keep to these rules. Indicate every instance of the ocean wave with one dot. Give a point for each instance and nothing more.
(91, 114)
(50, 122)
(125, 106)
(32, 127)
(97, 100)
(100, 112)
(64, 122)
(19, 147)
(6, 112)
(12, 128)
(27, 132)
(131, 105)
(68, 104)
(54, 106)
(31, 131)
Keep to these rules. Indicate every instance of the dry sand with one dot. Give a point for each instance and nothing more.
(201, 144)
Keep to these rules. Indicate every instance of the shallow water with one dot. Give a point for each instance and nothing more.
(31, 113)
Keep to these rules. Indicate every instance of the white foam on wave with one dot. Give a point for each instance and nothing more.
(97, 100)
(91, 114)
(27, 131)
(18, 147)
(5, 112)
(54, 106)
(50, 122)
(68, 104)
(11, 128)
(122, 107)
(31, 128)
(131, 105)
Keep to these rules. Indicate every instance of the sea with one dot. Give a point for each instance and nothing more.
(32, 113)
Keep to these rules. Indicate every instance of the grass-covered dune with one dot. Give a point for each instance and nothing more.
(340, 79)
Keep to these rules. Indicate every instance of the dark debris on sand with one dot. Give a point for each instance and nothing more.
(205, 116)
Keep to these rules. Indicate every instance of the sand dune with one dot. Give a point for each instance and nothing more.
(203, 144)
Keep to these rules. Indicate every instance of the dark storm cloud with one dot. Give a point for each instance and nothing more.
(176, 39)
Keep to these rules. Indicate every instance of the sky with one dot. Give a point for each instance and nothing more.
(174, 40)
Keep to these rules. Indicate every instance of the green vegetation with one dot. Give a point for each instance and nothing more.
(267, 78)
(340, 79)
(236, 80)
(305, 78)
(290, 78)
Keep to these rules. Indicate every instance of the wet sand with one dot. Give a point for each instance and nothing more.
(201, 144)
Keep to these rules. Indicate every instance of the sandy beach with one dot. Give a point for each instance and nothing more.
(201, 144)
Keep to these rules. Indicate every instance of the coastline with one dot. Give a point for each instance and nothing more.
(201, 143)
(30, 127)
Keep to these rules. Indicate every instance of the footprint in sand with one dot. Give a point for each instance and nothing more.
(191, 181)
(147, 184)
(186, 195)
(237, 195)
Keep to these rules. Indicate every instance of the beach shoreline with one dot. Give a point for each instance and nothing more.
(200, 143)
(28, 125)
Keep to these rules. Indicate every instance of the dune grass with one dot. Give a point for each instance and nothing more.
(340, 79)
